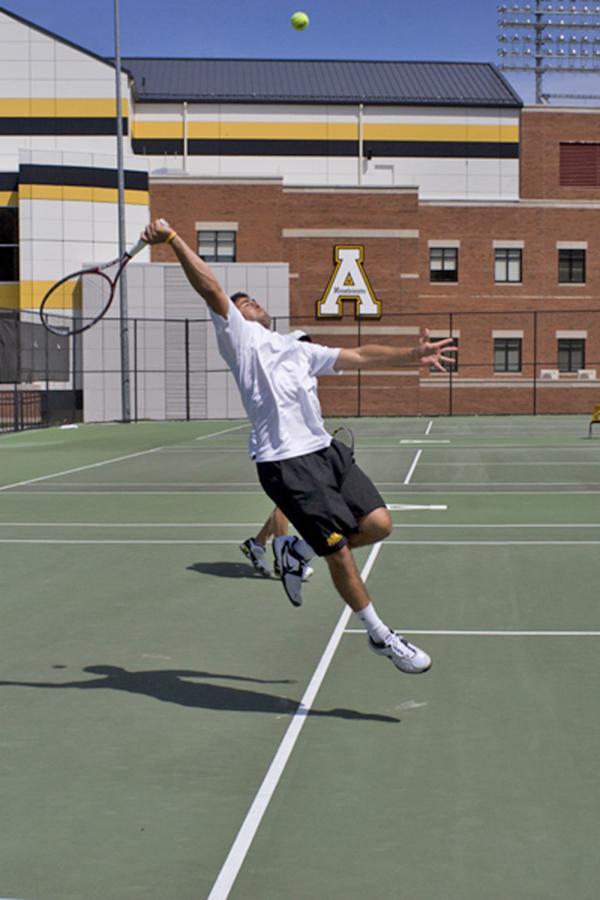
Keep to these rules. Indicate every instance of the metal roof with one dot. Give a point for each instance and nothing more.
(320, 81)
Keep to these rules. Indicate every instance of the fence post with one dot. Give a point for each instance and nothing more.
(535, 354)
(16, 416)
(135, 370)
(187, 370)
(451, 371)
(359, 375)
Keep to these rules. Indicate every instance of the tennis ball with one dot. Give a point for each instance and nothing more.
(300, 21)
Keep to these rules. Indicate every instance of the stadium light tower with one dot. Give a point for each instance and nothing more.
(544, 37)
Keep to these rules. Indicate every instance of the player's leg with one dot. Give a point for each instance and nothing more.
(254, 548)
(382, 640)
(373, 527)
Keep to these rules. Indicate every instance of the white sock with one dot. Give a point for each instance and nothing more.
(375, 627)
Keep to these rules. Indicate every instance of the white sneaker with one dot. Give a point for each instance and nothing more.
(255, 552)
(405, 656)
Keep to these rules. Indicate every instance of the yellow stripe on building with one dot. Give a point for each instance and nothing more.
(9, 198)
(173, 130)
(390, 132)
(63, 107)
(341, 131)
(87, 194)
(9, 296)
(32, 293)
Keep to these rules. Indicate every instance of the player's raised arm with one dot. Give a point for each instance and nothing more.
(380, 356)
(199, 275)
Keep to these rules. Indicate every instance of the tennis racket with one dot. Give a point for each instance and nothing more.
(97, 284)
(345, 436)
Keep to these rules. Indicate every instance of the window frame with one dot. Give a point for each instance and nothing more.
(505, 351)
(516, 252)
(447, 253)
(215, 256)
(567, 254)
(570, 349)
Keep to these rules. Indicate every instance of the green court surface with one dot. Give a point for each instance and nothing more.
(173, 728)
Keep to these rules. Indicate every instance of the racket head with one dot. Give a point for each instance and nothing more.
(77, 301)
(345, 436)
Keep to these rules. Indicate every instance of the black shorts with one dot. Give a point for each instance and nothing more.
(323, 494)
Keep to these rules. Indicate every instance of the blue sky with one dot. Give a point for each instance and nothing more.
(463, 30)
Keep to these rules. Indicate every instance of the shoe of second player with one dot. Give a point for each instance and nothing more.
(290, 567)
(306, 572)
(255, 552)
(405, 656)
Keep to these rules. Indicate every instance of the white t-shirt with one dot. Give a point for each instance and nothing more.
(277, 378)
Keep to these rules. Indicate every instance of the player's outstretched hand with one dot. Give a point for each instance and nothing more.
(433, 353)
(157, 232)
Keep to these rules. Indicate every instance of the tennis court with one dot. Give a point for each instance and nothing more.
(173, 728)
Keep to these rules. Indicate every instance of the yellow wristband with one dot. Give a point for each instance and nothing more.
(171, 237)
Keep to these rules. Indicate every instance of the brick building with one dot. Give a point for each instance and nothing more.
(397, 194)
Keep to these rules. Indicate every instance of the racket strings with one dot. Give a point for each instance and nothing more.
(77, 302)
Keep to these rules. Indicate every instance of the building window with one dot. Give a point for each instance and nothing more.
(9, 244)
(448, 367)
(571, 354)
(507, 354)
(508, 264)
(217, 246)
(571, 266)
(443, 263)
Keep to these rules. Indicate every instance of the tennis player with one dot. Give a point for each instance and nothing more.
(309, 475)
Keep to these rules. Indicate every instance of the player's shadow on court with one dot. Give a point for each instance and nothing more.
(172, 686)
(225, 570)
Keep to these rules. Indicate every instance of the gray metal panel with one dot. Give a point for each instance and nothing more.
(181, 304)
(321, 81)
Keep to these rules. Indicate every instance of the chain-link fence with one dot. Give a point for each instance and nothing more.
(513, 363)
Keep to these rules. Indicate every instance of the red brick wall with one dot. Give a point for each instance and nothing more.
(541, 133)
(478, 304)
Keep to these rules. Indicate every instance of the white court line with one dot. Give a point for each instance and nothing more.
(411, 506)
(250, 825)
(514, 464)
(116, 542)
(424, 441)
(493, 633)
(188, 484)
(494, 543)
(410, 472)
(429, 427)
(130, 524)
(105, 462)
(129, 484)
(256, 524)
(487, 525)
(62, 493)
(204, 437)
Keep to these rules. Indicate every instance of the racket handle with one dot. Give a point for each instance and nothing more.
(137, 248)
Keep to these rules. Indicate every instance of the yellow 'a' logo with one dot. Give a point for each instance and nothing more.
(349, 282)
(333, 538)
